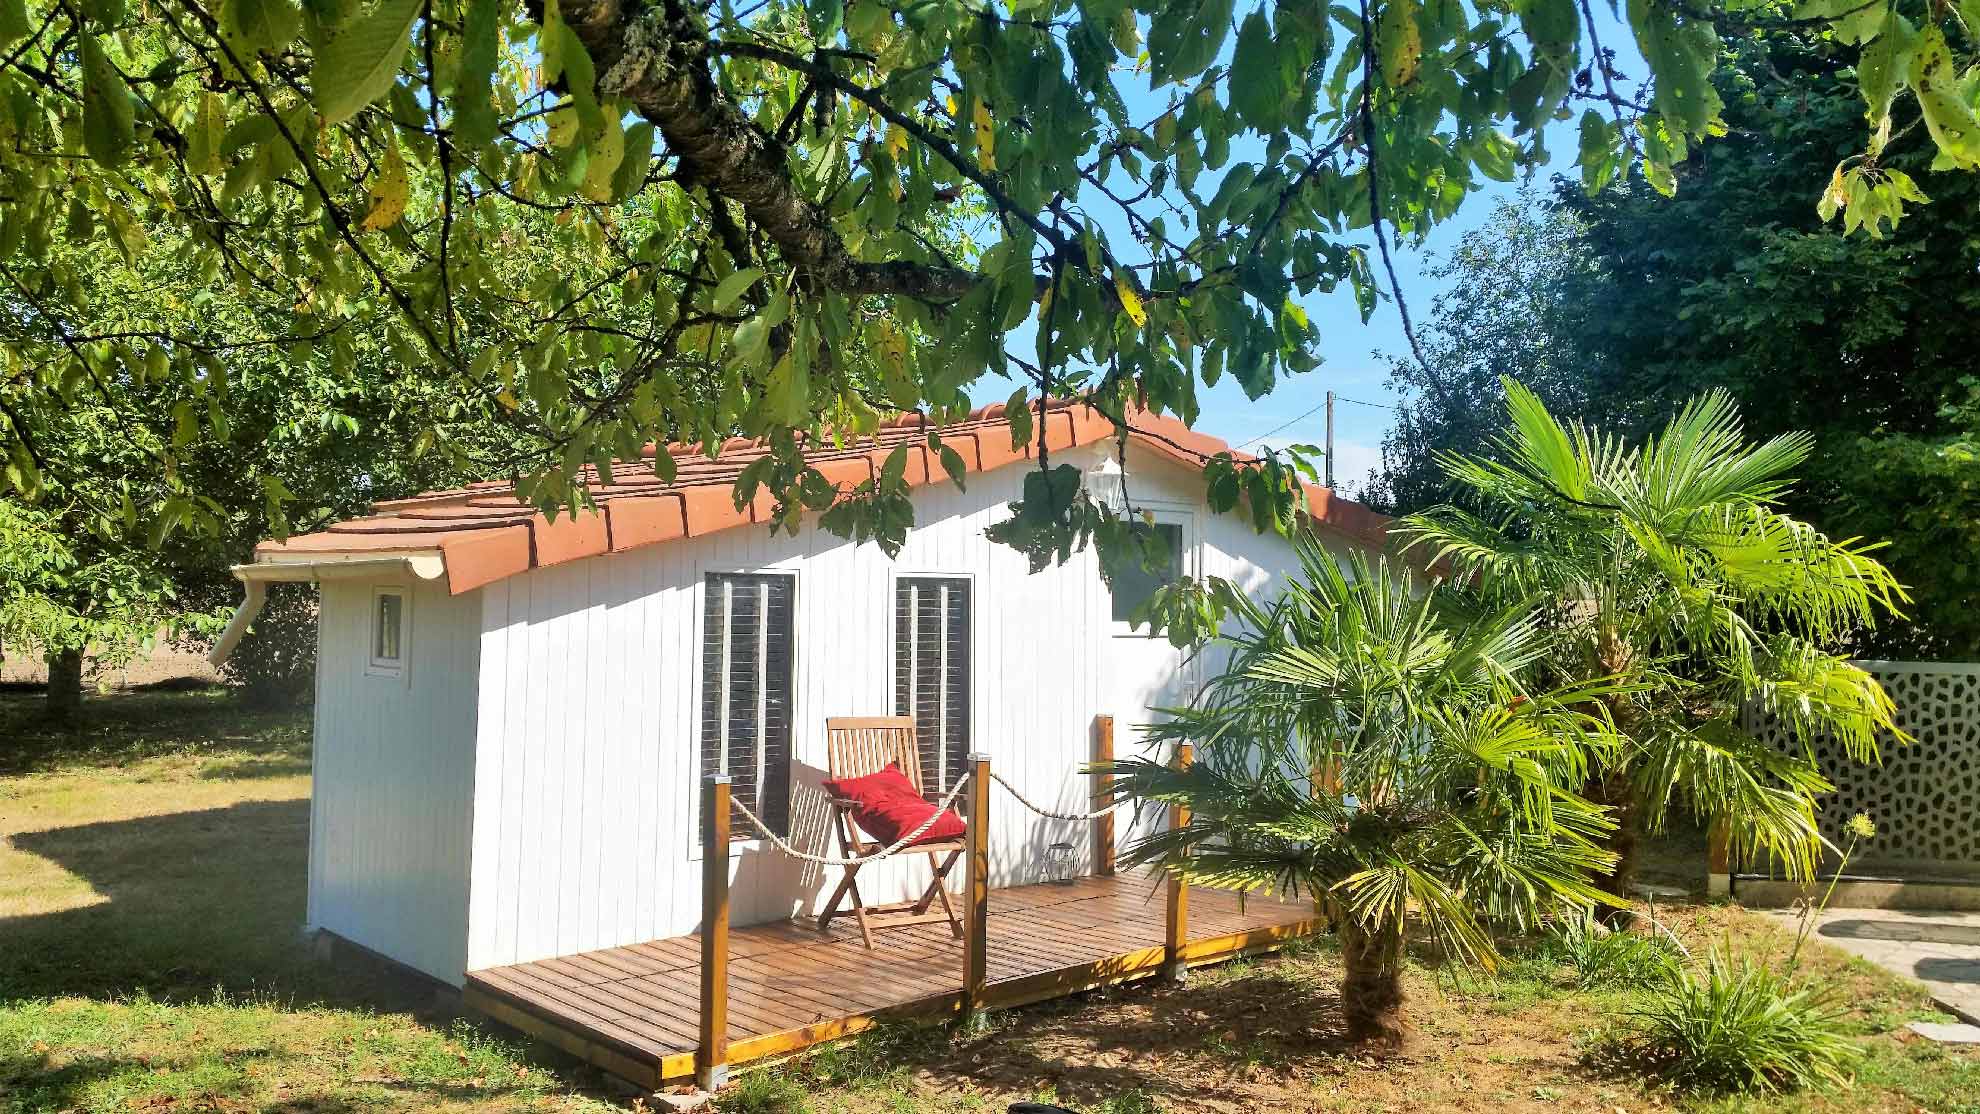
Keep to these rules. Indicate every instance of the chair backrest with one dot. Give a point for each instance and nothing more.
(859, 745)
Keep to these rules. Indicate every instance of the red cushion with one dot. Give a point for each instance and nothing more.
(886, 807)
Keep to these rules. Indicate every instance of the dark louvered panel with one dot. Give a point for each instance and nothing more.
(747, 655)
(931, 672)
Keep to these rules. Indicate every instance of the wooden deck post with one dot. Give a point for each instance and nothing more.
(1326, 782)
(1175, 966)
(1103, 790)
(711, 1064)
(1718, 858)
(976, 895)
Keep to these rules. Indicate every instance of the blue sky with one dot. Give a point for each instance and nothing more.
(1350, 347)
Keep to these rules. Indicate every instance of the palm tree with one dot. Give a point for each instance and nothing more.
(1369, 747)
(1666, 564)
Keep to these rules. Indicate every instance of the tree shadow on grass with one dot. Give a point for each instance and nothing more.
(187, 904)
(131, 726)
(56, 1082)
(1190, 1047)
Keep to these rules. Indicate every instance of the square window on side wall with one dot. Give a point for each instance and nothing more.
(391, 631)
(1135, 585)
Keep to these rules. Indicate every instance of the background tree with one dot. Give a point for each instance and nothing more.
(1370, 745)
(297, 431)
(1666, 564)
(1507, 307)
(1868, 343)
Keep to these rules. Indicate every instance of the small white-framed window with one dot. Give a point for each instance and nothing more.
(391, 630)
(1134, 586)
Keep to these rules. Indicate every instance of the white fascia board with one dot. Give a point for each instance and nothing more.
(426, 564)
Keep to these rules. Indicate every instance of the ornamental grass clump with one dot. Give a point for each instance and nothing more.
(1602, 958)
(1738, 1025)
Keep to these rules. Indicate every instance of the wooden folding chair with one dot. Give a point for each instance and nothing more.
(854, 747)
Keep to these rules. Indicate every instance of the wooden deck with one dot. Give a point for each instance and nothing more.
(634, 1011)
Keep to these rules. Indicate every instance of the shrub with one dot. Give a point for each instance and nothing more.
(275, 664)
(1740, 1026)
(1602, 958)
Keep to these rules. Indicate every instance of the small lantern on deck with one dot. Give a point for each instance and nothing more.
(1059, 863)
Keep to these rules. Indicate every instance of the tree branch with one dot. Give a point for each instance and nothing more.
(655, 58)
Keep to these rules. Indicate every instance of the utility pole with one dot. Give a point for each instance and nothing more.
(1330, 441)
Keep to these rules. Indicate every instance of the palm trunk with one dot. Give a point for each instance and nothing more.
(1611, 788)
(1372, 990)
(64, 685)
(1626, 843)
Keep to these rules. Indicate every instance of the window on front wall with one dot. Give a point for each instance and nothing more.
(388, 632)
(1134, 585)
(746, 659)
(931, 672)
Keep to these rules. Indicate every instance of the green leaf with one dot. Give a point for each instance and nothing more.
(256, 25)
(631, 174)
(1553, 26)
(952, 463)
(732, 288)
(1597, 159)
(474, 104)
(1884, 64)
(1017, 411)
(106, 14)
(1682, 58)
(1399, 43)
(357, 63)
(1948, 116)
(1495, 153)
(13, 21)
(1258, 89)
(208, 131)
(1185, 37)
(108, 131)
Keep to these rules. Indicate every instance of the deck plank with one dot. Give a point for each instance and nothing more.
(636, 1008)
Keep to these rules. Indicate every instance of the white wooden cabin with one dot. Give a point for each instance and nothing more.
(513, 715)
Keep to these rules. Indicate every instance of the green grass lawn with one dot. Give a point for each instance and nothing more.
(152, 883)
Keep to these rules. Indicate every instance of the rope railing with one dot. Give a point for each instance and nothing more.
(888, 851)
(1076, 817)
(903, 843)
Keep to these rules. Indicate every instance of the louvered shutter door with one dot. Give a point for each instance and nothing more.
(931, 672)
(746, 647)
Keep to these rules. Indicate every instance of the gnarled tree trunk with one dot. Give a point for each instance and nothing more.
(64, 685)
(1372, 990)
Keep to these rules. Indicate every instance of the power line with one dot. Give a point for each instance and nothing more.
(1373, 405)
(1288, 425)
(1282, 428)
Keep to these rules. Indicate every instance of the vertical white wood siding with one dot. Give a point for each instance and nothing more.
(394, 777)
(585, 777)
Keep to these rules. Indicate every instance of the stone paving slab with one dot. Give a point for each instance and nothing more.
(1941, 950)
(1943, 1033)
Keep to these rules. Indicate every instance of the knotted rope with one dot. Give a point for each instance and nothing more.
(1048, 813)
(888, 851)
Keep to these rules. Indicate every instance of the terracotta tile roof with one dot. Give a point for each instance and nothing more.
(484, 533)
